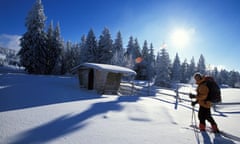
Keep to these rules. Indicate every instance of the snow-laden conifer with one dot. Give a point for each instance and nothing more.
(163, 65)
(83, 49)
(33, 43)
(201, 66)
(185, 75)
(118, 51)
(57, 50)
(105, 46)
(91, 47)
(176, 69)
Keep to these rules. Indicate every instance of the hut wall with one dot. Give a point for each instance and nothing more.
(83, 77)
(99, 80)
(112, 83)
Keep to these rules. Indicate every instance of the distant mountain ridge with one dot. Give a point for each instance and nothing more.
(7, 51)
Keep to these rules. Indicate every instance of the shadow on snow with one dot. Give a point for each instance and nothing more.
(218, 139)
(69, 124)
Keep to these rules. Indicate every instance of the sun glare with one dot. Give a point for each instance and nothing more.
(180, 38)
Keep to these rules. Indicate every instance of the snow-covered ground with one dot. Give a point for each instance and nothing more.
(54, 110)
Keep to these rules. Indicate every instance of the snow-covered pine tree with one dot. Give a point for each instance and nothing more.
(83, 50)
(215, 73)
(163, 65)
(57, 50)
(50, 44)
(133, 49)
(129, 47)
(151, 67)
(54, 48)
(233, 78)
(137, 50)
(185, 76)
(129, 62)
(26, 53)
(152, 56)
(118, 51)
(141, 67)
(105, 46)
(77, 53)
(91, 46)
(201, 66)
(68, 59)
(157, 69)
(145, 51)
(33, 42)
(146, 67)
(223, 76)
(128, 55)
(176, 69)
(118, 43)
(192, 67)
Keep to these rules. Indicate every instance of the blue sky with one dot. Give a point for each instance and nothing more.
(211, 27)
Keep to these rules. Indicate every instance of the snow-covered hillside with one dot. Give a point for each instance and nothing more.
(54, 110)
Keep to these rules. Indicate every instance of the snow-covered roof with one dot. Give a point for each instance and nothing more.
(106, 67)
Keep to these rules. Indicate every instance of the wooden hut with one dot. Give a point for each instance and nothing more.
(103, 78)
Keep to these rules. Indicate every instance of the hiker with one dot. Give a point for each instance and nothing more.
(204, 112)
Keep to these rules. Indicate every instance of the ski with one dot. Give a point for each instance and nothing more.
(230, 136)
(222, 133)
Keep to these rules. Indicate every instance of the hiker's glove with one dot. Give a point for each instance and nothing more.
(192, 96)
(194, 103)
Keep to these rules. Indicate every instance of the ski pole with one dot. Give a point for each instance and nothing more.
(194, 124)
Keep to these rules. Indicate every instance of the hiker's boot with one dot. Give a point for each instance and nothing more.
(215, 128)
(202, 127)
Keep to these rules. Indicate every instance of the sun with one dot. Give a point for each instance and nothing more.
(180, 38)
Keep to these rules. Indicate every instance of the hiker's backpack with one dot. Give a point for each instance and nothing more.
(214, 94)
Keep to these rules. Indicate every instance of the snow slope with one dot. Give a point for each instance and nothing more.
(54, 110)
